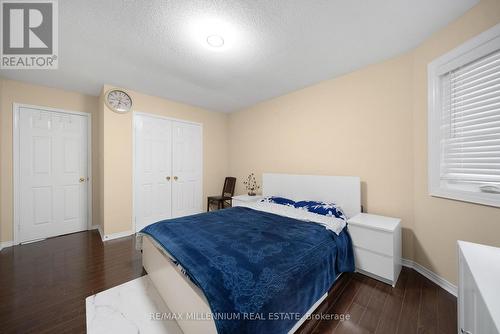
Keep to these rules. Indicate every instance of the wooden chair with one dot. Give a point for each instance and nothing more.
(227, 195)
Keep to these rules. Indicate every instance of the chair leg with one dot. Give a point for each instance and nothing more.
(208, 205)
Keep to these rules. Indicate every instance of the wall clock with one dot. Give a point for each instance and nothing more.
(118, 101)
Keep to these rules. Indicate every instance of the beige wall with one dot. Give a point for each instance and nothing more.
(372, 123)
(1, 159)
(358, 124)
(112, 148)
(440, 222)
(17, 92)
(117, 154)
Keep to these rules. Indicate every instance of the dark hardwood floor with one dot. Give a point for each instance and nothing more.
(43, 287)
(415, 305)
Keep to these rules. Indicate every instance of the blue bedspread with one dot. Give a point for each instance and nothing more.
(260, 272)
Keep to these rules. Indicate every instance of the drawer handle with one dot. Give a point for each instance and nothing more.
(463, 331)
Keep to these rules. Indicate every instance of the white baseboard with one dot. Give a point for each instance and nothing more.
(443, 283)
(5, 244)
(107, 237)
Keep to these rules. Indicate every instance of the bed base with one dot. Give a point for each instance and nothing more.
(179, 293)
(184, 297)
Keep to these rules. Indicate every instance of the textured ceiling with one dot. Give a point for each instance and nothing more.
(272, 47)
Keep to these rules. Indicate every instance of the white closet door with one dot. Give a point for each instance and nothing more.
(187, 169)
(153, 170)
(53, 163)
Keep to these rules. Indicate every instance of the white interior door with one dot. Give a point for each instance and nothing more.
(187, 169)
(53, 173)
(153, 170)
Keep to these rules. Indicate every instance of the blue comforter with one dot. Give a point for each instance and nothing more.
(260, 272)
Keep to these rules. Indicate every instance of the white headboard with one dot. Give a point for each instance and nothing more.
(343, 190)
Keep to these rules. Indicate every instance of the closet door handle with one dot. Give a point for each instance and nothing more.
(168, 178)
(175, 178)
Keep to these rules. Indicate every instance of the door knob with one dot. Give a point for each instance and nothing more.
(176, 178)
(168, 178)
(82, 179)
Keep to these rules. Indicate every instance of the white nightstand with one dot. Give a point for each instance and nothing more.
(377, 246)
(245, 200)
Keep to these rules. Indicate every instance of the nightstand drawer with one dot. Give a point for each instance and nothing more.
(380, 265)
(374, 240)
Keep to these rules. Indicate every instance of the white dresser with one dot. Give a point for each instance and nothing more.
(245, 200)
(478, 288)
(377, 246)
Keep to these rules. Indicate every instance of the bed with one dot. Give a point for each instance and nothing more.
(233, 270)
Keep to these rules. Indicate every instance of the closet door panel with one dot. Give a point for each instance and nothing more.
(153, 170)
(187, 169)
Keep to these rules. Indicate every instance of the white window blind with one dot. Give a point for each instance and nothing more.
(470, 128)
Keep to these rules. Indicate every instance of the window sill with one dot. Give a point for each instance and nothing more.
(467, 196)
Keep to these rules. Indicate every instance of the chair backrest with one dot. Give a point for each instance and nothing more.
(229, 185)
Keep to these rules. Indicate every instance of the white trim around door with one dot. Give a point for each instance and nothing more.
(16, 162)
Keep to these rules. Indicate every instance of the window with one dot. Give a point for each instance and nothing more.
(464, 121)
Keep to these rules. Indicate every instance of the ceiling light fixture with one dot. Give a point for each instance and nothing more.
(215, 41)
(214, 34)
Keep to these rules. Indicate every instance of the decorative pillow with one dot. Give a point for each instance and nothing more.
(321, 208)
(279, 200)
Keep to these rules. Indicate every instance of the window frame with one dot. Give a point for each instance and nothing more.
(473, 49)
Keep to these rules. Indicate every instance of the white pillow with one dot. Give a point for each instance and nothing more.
(329, 222)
